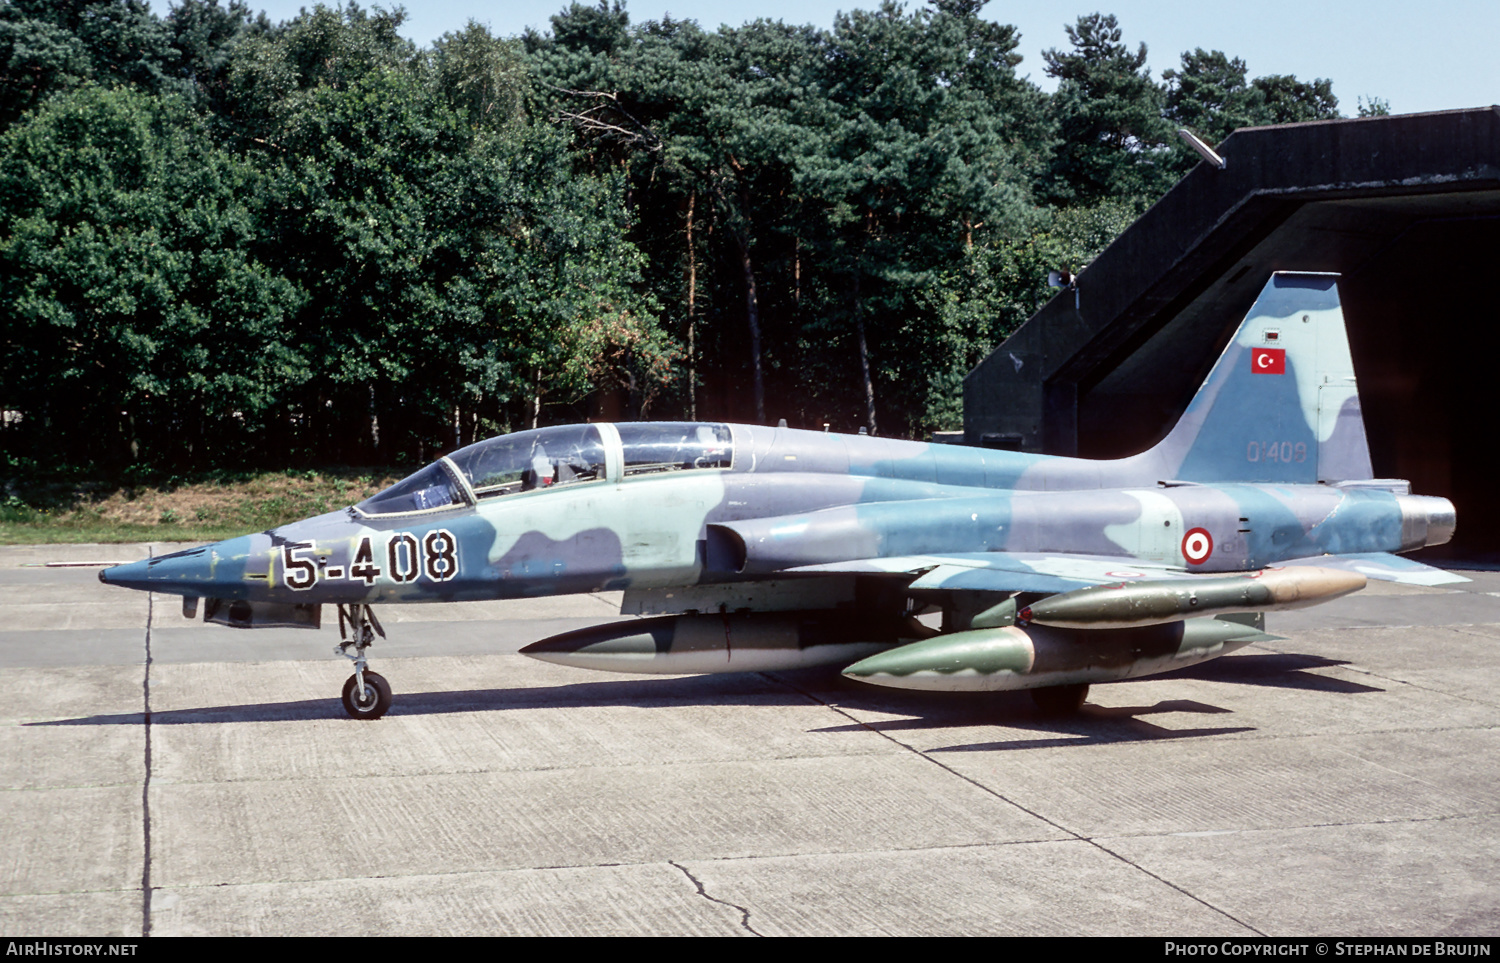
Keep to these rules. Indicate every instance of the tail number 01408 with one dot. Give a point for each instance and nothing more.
(434, 555)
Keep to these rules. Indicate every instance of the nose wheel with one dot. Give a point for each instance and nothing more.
(367, 701)
(366, 695)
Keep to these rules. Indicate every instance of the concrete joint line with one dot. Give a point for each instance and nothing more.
(146, 781)
(1394, 821)
(744, 913)
(924, 756)
(1168, 883)
(1392, 680)
(1035, 815)
(1395, 772)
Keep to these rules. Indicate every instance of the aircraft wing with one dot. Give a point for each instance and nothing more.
(1007, 571)
(1062, 572)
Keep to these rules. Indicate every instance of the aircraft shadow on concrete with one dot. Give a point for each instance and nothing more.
(935, 710)
(1095, 723)
(1092, 725)
(1281, 670)
(750, 689)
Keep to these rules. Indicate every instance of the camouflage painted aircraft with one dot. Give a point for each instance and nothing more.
(757, 549)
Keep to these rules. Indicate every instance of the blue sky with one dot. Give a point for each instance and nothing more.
(1437, 55)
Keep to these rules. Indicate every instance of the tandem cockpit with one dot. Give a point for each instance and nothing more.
(547, 458)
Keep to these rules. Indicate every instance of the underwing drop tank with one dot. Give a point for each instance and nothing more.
(1155, 601)
(1035, 656)
(733, 642)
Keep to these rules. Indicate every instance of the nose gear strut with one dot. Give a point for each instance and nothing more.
(366, 695)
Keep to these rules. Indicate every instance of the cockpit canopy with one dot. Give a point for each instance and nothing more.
(657, 446)
(428, 489)
(527, 460)
(553, 457)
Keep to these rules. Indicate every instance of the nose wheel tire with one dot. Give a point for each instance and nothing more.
(1057, 700)
(373, 702)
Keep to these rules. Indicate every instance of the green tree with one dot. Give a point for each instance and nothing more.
(481, 75)
(1210, 96)
(600, 29)
(37, 58)
(140, 326)
(1290, 101)
(203, 35)
(914, 164)
(700, 123)
(457, 271)
(794, 187)
(273, 72)
(1112, 137)
(49, 46)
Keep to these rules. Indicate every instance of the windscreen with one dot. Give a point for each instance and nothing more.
(429, 488)
(658, 446)
(529, 460)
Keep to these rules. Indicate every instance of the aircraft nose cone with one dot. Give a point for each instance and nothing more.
(215, 570)
(633, 645)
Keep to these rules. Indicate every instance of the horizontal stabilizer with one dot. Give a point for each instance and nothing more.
(1383, 567)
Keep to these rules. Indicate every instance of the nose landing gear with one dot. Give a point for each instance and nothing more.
(366, 695)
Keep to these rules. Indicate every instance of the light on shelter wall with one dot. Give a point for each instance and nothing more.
(1204, 151)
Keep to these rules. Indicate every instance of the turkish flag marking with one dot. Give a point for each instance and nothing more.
(1268, 361)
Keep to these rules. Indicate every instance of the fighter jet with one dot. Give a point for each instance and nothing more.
(757, 549)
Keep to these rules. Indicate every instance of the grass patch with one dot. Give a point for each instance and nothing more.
(195, 509)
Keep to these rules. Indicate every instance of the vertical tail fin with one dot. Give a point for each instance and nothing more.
(1281, 403)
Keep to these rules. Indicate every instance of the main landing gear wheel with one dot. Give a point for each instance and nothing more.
(1058, 700)
(372, 701)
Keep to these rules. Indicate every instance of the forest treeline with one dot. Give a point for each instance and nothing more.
(226, 242)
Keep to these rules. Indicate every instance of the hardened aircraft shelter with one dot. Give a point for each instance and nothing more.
(1406, 209)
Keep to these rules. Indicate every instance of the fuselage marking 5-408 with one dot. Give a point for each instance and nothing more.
(436, 558)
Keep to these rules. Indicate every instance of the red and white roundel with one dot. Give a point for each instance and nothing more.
(1197, 546)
